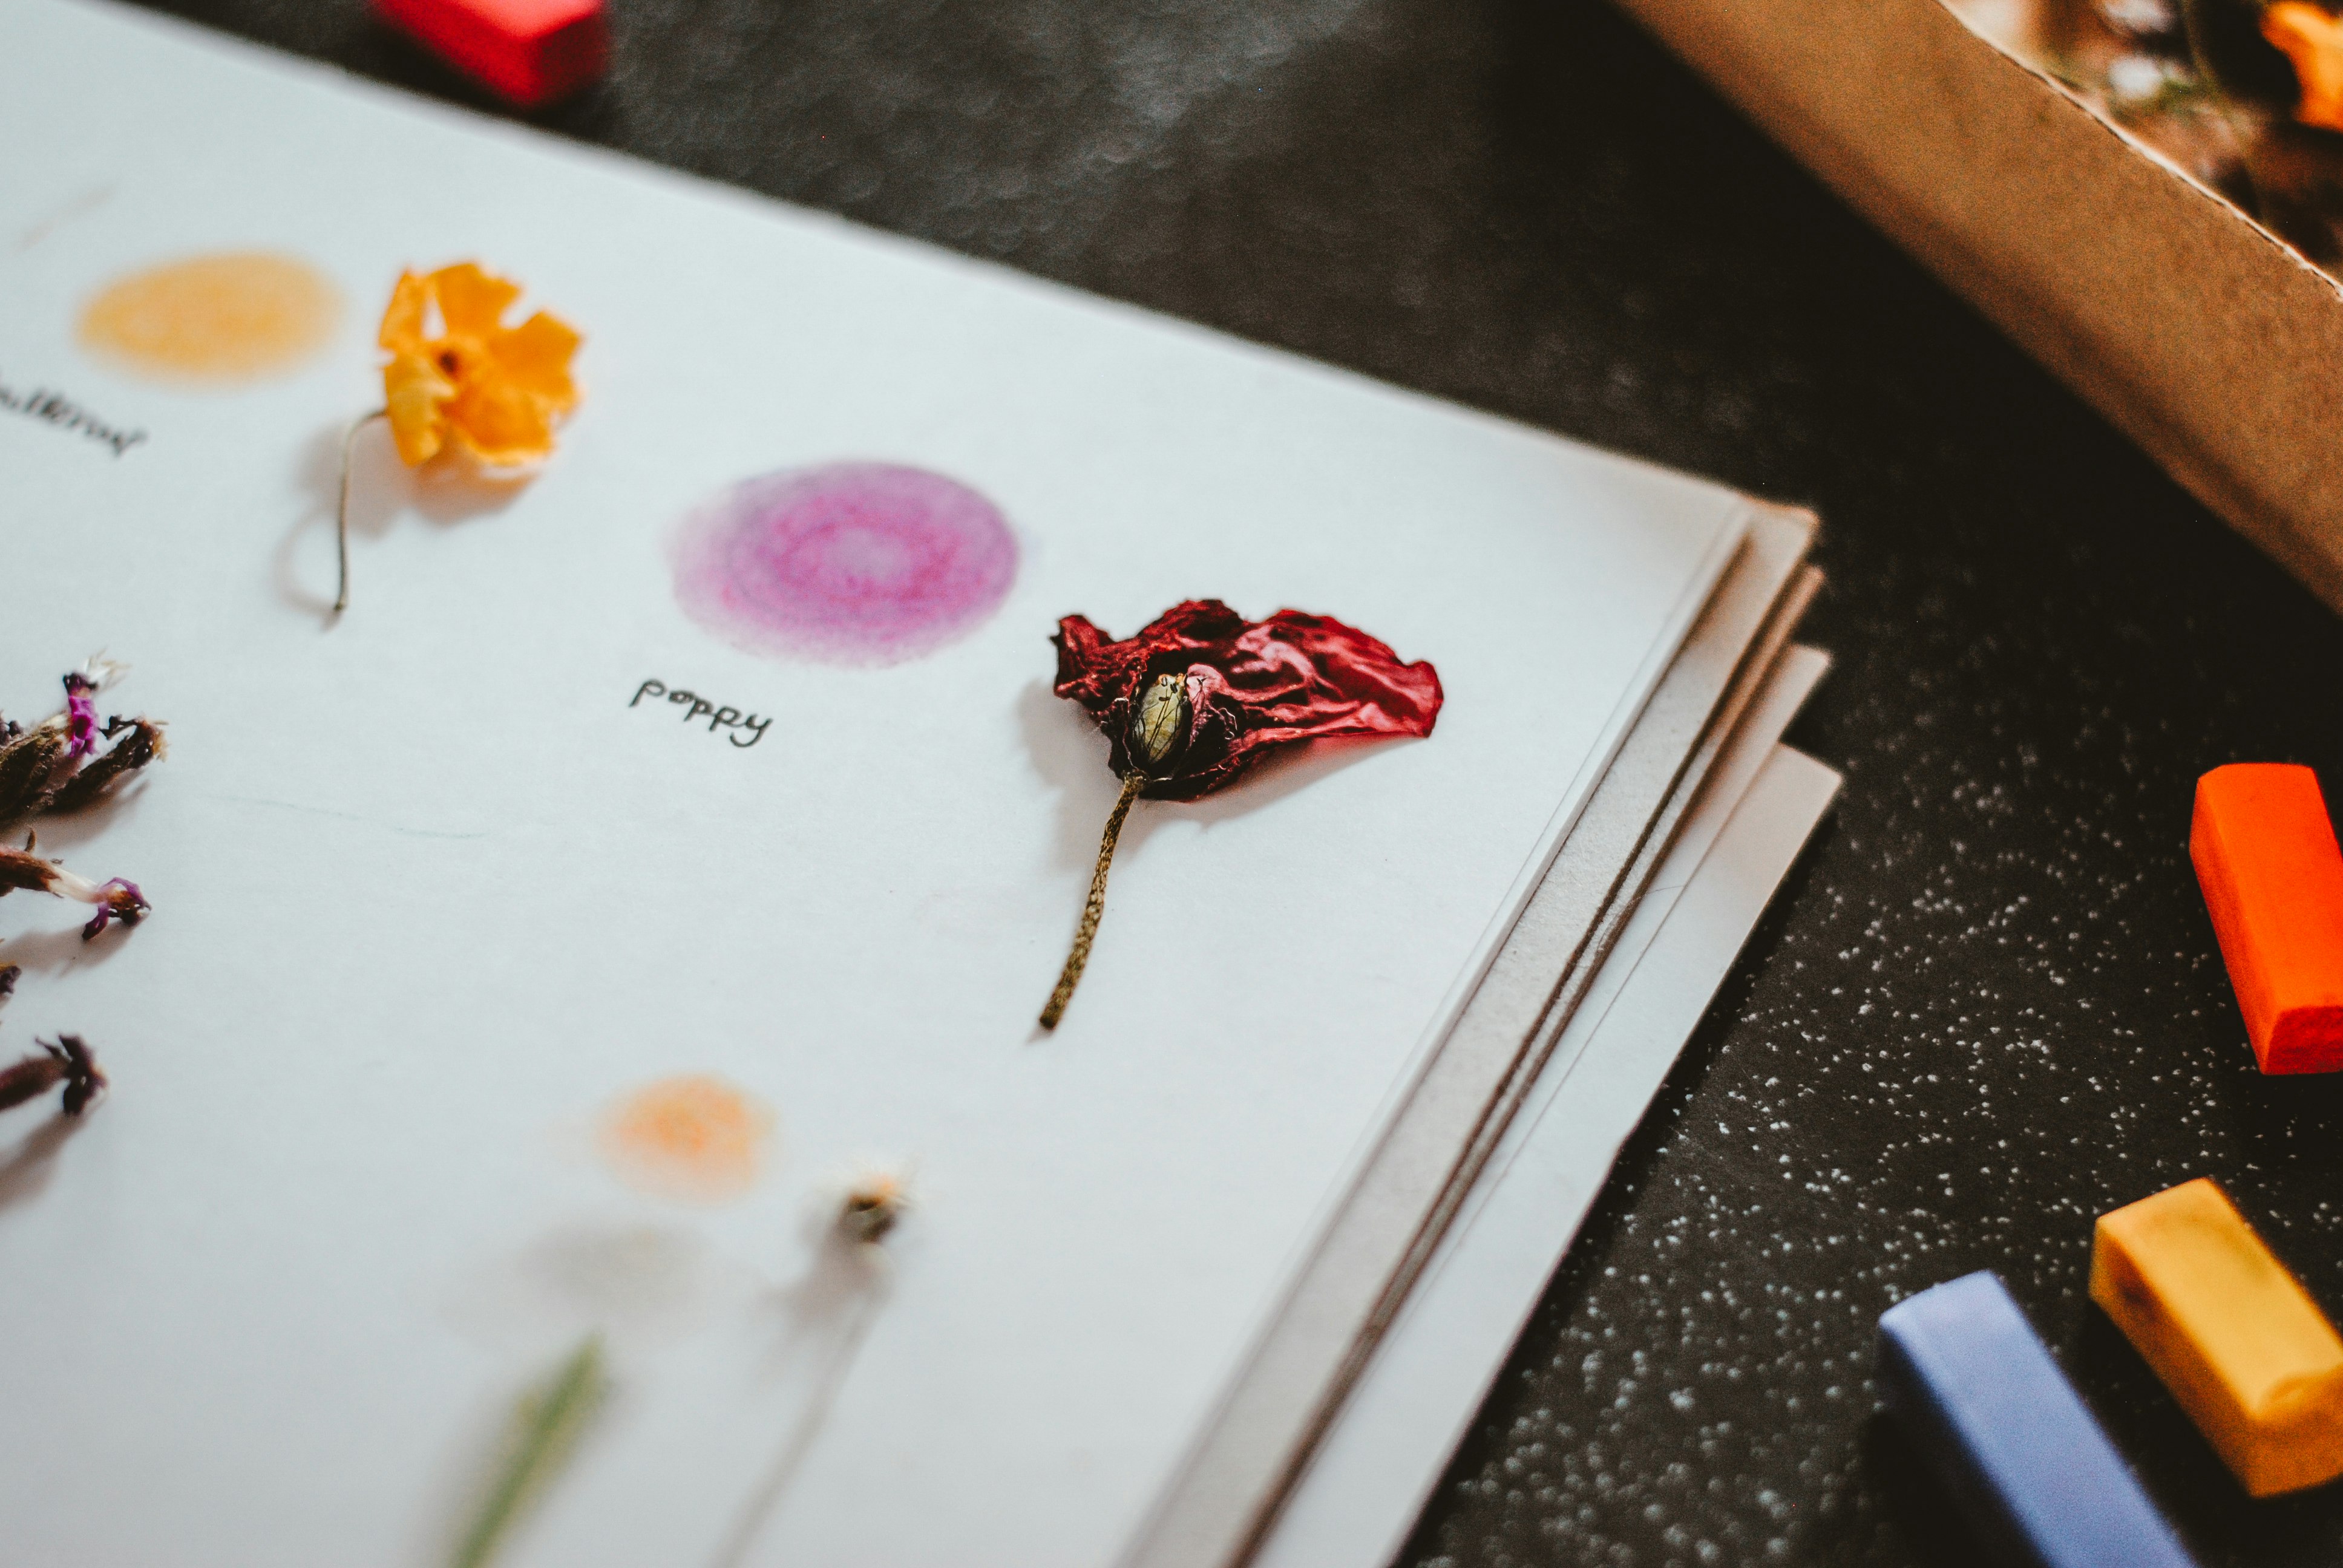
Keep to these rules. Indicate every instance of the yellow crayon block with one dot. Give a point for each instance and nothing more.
(2233, 1336)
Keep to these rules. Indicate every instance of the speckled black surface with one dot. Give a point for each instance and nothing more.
(1987, 1006)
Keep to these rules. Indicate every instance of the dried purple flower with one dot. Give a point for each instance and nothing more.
(69, 759)
(66, 1060)
(116, 899)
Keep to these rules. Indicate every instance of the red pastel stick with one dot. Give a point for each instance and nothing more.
(2273, 879)
(529, 51)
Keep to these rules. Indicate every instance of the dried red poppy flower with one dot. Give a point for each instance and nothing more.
(1252, 687)
(1201, 694)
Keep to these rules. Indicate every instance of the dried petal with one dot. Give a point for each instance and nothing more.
(500, 424)
(412, 392)
(403, 322)
(536, 356)
(471, 302)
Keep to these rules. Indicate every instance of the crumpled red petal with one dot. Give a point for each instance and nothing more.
(1254, 687)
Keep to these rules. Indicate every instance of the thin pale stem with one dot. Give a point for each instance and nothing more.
(1076, 960)
(342, 512)
(873, 1287)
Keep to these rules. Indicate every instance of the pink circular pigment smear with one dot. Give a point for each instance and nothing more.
(849, 563)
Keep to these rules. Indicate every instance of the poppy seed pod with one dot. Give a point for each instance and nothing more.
(1159, 726)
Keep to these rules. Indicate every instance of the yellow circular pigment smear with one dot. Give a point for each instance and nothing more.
(692, 1137)
(234, 317)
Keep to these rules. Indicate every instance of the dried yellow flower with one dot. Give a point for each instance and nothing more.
(496, 391)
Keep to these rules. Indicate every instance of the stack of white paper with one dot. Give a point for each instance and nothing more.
(1218, 1270)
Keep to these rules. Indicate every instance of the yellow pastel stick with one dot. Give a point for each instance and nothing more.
(2233, 1336)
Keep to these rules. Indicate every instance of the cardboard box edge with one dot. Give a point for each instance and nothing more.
(2191, 328)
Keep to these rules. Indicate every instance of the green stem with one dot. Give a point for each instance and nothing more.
(545, 1429)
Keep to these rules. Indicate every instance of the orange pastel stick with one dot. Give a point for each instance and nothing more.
(2273, 879)
(2233, 1336)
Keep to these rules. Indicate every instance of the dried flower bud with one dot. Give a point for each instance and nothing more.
(142, 745)
(8, 975)
(116, 898)
(65, 1060)
(872, 1206)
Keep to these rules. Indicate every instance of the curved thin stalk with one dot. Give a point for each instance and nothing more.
(342, 513)
(1076, 960)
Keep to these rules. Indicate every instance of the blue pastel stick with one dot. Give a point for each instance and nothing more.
(1979, 1395)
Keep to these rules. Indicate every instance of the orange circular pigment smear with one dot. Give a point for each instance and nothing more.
(692, 1137)
(234, 317)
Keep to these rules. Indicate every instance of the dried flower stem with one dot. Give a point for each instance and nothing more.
(1079, 958)
(870, 1209)
(342, 512)
(545, 1428)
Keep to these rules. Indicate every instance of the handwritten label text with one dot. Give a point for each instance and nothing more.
(696, 707)
(55, 409)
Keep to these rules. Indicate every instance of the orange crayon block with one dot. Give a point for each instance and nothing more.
(2273, 878)
(2233, 1336)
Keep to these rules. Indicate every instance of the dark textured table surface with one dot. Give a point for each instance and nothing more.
(1987, 1006)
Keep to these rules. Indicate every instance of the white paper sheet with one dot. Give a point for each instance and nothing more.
(430, 896)
(1377, 1467)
